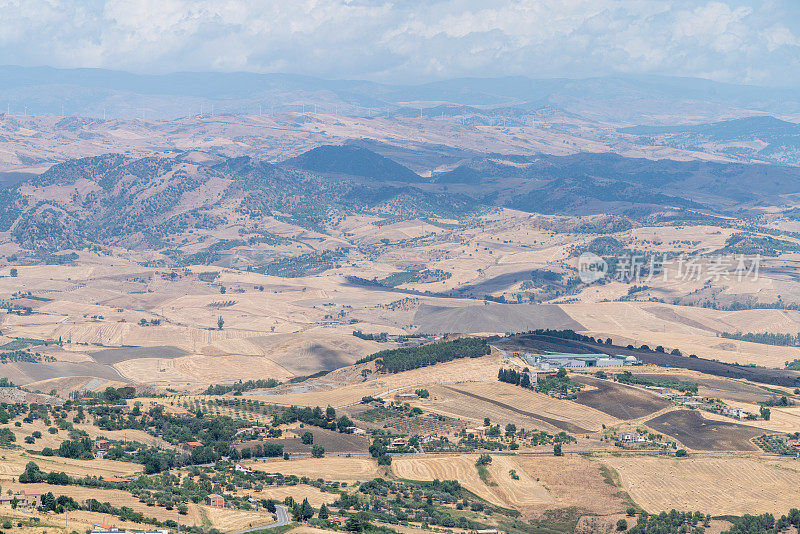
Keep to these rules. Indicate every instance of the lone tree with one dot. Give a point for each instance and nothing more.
(317, 451)
(307, 438)
(483, 459)
(220, 322)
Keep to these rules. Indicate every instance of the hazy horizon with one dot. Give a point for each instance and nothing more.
(733, 41)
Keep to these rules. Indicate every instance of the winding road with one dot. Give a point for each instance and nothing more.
(283, 519)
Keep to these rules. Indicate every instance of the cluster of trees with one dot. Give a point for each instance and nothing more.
(20, 356)
(667, 522)
(766, 338)
(405, 277)
(314, 417)
(220, 389)
(302, 265)
(381, 337)
(511, 376)
(267, 450)
(626, 377)
(379, 449)
(113, 394)
(51, 503)
(568, 334)
(396, 501)
(80, 449)
(404, 359)
(764, 523)
(558, 384)
(7, 437)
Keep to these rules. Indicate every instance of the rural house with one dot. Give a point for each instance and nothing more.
(101, 447)
(398, 442)
(25, 498)
(734, 411)
(214, 499)
(242, 469)
(631, 438)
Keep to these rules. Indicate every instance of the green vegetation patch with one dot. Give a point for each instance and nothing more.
(404, 359)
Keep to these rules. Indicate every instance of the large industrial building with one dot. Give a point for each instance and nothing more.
(556, 361)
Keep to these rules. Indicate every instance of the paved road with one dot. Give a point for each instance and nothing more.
(283, 519)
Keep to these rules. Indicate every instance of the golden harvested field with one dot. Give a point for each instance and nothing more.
(116, 497)
(725, 485)
(12, 464)
(223, 519)
(208, 403)
(228, 520)
(51, 523)
(329, 468)
(124, 435)
(783, 420)
(693, 330)
(524, 400)
(544, 482)
(299, 492)
(443, 373)
(47, 439)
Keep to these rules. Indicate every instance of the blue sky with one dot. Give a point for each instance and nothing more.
(755, 42)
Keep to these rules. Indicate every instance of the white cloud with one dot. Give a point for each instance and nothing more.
(413, 40)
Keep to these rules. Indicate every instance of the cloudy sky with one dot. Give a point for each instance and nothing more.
(740, 41)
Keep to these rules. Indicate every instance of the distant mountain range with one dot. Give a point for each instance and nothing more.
(632, 99)
(153, 202)
(761, 137)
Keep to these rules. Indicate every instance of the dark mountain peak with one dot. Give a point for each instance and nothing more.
(89, 168)
(353, 161)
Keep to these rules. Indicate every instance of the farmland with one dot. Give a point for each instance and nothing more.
(277, 308)
(563, 415)
(700, 433)
(713, 481)
(544, 483)
(619, 401)
(335, 468)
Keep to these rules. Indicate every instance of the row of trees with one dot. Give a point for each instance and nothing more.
(626, 377)
(766, 338)
(511, 376)
(220, 389)
(404, 359)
